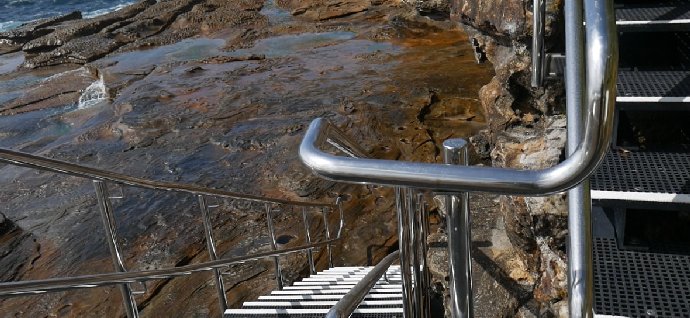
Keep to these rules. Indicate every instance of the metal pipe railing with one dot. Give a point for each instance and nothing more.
(538, 51)
(274, 246)
(459, 233)
(106, 208)
(38, 162)
(99, 280)
(579, 246)
(347, 305)
(126, 278)
(590, 99)
(213, 254)
(602, 61)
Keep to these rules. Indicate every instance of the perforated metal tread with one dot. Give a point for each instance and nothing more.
(653, 86)
(658, 174)
(664, 11)
(311, 313)
(640, 284)
(315, 295)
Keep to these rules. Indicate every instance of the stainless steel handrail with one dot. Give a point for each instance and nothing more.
(347, 305)
(124, 278)
(99, 280)
(25, 159)
(538, 52)
(602, 64)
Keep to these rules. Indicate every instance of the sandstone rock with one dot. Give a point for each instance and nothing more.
(82, 28)
(38, 28)
(78, 51)
(319, 10)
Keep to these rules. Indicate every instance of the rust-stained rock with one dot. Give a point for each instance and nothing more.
(319, 10)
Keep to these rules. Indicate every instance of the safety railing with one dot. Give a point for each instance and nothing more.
(125, 278)
(590, 98)
(538, 51)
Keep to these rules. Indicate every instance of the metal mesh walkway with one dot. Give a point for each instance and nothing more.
(668, 10)
(640, 284)
(655, 172)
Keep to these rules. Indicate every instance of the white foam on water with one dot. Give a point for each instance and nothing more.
(8, 25)
(94, 94)
(91, 14)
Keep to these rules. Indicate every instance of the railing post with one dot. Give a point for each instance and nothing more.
(274, 246)
(579, 247)
(423, 230)
(538, 52)
(210, 245)
(405, 245)
(106, 208)
(328, 237)
(459, 237)
(310, 252)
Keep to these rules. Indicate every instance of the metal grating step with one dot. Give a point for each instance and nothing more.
(653, 86)
(663, 12)
(643, 176)
(640, 284)
(322, 291)
(312, 313)
(327, 297)
(327, 304)
(636, 86)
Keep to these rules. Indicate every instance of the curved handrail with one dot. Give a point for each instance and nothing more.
(99, 280)
(347, 305)
(25, 159)
(602, 64)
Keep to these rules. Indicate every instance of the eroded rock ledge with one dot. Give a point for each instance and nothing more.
(71, 39)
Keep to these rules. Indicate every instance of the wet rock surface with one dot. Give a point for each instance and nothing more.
(70, 39)
(226, 111)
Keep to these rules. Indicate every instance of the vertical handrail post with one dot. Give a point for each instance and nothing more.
(106, 208)
(538, 51)
(423, 230)
(459, 237)
(310, 252)
(274, 246)
(328, 237)
(213, 255)
(415, 240)
(580, 264)
(405, 253)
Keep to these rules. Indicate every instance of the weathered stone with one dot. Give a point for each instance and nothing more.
(31, 30)
(78, 51)
(319, 10)
(506, 19)
(58, 90)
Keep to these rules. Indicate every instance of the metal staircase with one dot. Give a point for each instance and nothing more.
(641, 192)
(316, 295)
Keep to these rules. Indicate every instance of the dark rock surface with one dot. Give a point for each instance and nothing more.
(72, 40)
